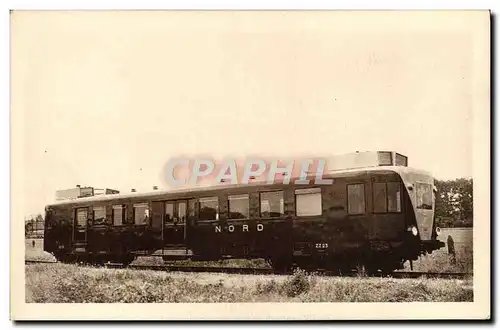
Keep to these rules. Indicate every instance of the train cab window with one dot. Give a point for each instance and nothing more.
(209, 208)
(118, 215)
(393, 197)
(386, 197)
(379, 197)
(169, 212)
(141, 214)
(308, 202)
(272, 204)
(356, 198)
(424, 196)
(99, 213)
(238, 206)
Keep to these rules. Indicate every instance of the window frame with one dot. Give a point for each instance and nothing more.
(386, 184)
(229, 206)
(124, 210)
(181, 221)
(171, 221)
(431, 196)
(217, 215)
(386, 204)
(135, 207)
(400, 196)
(318, 190)
(364, 198)
(103, 207)
(260, 203)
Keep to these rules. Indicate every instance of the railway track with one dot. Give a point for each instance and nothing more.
(265, 271)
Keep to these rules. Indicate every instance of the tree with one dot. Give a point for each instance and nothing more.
(28, 228)
(39, 222)
(454, 202)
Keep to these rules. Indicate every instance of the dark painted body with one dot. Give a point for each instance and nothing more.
(334, 239)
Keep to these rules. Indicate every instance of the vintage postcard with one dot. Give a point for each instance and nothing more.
(250, 165)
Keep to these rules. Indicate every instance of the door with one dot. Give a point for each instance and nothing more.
(174, 225)
(80, 225)
(158, 213)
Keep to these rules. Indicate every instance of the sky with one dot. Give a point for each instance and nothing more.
(107, 98)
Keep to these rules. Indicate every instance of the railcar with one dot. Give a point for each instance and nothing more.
(377, 215)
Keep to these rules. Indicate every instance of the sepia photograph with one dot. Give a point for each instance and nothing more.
(253, 165)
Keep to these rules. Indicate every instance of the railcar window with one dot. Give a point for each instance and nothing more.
(169, 212)
(379, 197)
(238, 206)
(99, 215)
(424, 196)
(272, 204)
(308, 202)
(81, 218)
(209, 208)
(356, 198)
(386, 197)
(393, 197)
(118, 215)
(141, 214)
(181, 212)
(401, 160)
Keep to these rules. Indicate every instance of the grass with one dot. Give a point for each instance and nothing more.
(441, 262)
(36, 252)
(62, 283)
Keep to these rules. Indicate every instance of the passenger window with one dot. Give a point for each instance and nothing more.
(99, 215)
(181, 212)
(118, 215)
(209, 208)
(379, 197)
(424, 196)
(393, 197)
(308, 202)
(81, 218)
(238, 206)
(169, 212)
(356, 198)
(141, 214)
(272, 204)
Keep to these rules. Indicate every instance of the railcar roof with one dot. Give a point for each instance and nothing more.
(331, 174)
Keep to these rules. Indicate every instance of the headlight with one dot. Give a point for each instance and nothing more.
(438, 231)
(413, 230)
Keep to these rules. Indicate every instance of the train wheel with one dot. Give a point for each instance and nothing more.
(127, 260)
(281, 265)
(64, 258)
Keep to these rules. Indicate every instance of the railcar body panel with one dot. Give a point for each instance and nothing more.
(363, 210)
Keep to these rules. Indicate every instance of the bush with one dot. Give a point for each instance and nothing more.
(296, 284)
